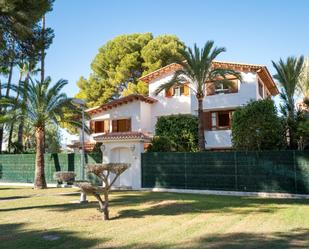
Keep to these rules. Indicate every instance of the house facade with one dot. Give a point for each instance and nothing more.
(139, 114)
(126, 125)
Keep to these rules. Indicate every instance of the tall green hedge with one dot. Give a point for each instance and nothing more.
(257, 126)
(176, 133)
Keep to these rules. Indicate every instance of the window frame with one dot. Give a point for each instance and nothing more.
(117, 124)
(215, 116)
(261, 88)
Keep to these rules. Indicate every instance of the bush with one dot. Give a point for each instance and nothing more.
(176, 133)
(160, 144)
(257, 127)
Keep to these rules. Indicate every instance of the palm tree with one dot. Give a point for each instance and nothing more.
(45, 103)
(27, 69)
(288, 73)
(304, 81)
(198, 70)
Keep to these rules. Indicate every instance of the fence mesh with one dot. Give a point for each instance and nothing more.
(20, 167)
(271, 171)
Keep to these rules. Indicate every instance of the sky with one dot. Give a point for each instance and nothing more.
(252, 31)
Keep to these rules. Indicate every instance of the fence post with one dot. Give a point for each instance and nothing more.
(185, 170)
(235, 164)
(295, 173)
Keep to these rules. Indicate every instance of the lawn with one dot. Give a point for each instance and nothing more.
(50, 219)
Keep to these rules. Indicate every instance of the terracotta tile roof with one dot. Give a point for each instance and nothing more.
(123, 135)
(261, 70)
(77, 145)
(121, 101)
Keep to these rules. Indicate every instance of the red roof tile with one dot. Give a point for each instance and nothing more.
(123, 135)
(121, 101)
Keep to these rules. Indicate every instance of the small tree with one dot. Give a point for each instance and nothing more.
(257, 127)
(103, 171)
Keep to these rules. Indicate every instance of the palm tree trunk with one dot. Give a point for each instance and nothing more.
(20, 134)
(43, 50)
(22, 119)
(9, 79)
(1, 127)
(1, 138)
(13, 123)
(39, 181)
(201, 137)
(10, 137)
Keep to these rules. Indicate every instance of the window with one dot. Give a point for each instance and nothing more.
(100, 126)
(177, 91)
(261, 92)
(223, 119)
(221, 88)
(213, 119)
(121, 125)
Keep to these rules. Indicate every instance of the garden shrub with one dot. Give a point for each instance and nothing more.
(176, 133)
(257, 126)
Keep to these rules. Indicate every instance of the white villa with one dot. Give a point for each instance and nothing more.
(125, 126)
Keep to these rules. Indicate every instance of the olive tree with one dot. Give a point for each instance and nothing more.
(108, 173)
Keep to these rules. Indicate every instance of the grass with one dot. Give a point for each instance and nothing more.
(50, 219)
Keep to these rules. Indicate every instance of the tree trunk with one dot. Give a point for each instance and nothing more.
(43, 51)
(20, 134)
(9, 79)
(1, 126)
(201, 137)
(22, 118)
(39, 181)
(105, 207)
(10, 137)
(1, 138)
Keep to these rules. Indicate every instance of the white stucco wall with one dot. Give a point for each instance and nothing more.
(166, 106)
(146, 114)
(218, 139)
(247, 90)
(130, 152)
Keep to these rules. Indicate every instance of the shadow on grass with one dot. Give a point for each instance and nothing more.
(297, 238)
(17, 236)
(175, 204)
(14, 197)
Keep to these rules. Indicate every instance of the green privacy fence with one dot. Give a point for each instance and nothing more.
(20, 167)
(276, 171)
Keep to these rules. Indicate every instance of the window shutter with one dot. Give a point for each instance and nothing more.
(169, 92)
(234, 86)
(186, 90)
(207, 120)
(106, 126)
(114, 126)
(128, 124)
(210, 88)
(92, 126)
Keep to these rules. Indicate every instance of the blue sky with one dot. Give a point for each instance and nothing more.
(255, 31)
